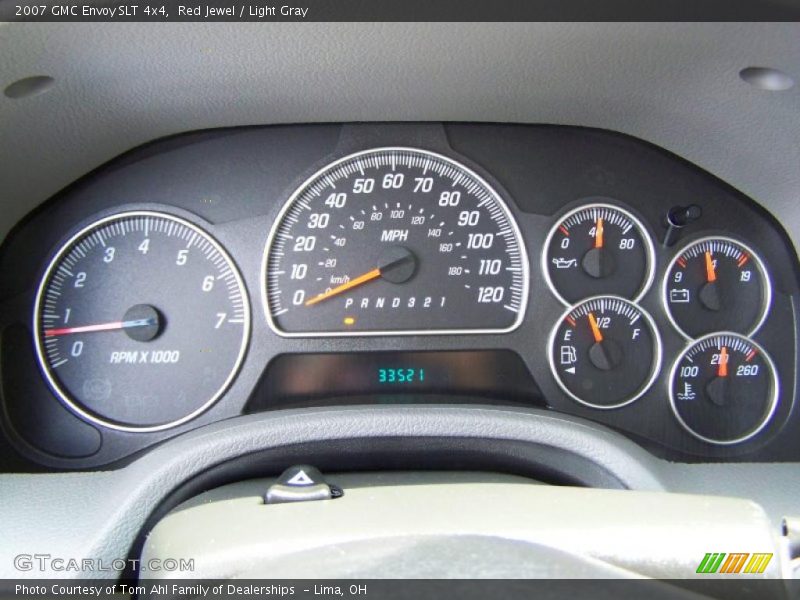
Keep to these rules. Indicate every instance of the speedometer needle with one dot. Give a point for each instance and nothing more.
(361, 279)
(396, 265)
(114, 325)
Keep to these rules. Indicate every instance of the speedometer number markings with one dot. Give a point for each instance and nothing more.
(395, 240)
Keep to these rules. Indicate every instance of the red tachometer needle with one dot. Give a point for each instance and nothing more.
(99, 327)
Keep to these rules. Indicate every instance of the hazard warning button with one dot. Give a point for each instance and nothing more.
(301, 483)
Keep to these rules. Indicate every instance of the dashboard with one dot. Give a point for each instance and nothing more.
(255, 269)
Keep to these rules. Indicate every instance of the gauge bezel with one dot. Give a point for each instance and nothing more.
(63, 395)
(525, 265)
(657, 352)
(638, 223)
(755, 256)
(775, 400)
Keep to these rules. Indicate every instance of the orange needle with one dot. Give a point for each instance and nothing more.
(710, 273)
(598, 233)
(723, 362)
(598, 336)
(369, 276)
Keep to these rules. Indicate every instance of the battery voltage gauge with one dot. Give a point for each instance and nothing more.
(716, 284)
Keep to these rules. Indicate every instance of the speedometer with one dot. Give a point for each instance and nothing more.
(394, 240)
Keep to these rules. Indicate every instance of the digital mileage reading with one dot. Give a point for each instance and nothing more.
(481, 376)
(393, 375)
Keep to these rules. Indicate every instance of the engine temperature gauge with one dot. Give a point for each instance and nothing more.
(724, 388)
(716, 284)
(605, 352)
(598, 249)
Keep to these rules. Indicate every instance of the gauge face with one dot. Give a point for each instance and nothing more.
(598, 249)
(724, 388)
(395, 240)
(141, 322)
(605, 352)
(716, 284)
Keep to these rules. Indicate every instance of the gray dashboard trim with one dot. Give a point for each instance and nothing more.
(677, 85)
(99, 515)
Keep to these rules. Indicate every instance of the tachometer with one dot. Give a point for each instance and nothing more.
(395, 240)
(141, 321)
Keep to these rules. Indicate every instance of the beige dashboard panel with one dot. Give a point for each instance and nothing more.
(379, 525)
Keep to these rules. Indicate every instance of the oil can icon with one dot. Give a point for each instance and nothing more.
(563, 263)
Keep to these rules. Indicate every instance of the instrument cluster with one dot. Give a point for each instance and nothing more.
(578, 271)
(606, 351)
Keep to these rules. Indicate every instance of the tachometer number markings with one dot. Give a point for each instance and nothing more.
(141, 322)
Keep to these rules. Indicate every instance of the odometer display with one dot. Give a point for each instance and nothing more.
(395, 240)
(347, 378)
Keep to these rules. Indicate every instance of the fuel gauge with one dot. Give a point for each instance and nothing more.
(605, 352)
(724, 389)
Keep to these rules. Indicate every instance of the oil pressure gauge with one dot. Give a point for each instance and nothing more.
(598, 249)
(716, 284)
(724, 389)
(605, 352)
